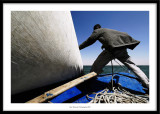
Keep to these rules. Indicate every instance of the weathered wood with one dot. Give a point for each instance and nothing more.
(54, 92)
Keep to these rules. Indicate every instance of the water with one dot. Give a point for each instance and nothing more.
(117, 68)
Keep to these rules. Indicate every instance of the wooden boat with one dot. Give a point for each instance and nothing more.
(83, 92)
(39, 59)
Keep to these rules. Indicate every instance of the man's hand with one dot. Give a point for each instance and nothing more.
(79, 47)
(102, 47)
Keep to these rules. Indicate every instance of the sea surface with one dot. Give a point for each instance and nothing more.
(117, 68)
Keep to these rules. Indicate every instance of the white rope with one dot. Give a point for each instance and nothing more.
(118, 96)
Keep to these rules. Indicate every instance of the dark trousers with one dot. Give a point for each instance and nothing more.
(122, 55)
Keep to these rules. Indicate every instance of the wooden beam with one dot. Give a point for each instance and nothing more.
(54, 92)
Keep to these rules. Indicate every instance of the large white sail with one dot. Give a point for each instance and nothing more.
(44, 49)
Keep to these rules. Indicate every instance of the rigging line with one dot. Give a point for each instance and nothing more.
(117, 62)
(122, 66)
(112, 74)
(127, 70)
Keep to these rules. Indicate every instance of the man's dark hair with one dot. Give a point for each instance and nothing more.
(97, 26)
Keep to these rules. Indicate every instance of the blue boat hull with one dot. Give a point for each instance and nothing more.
(78, 93)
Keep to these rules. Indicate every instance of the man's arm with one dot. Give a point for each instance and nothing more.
(92, 39)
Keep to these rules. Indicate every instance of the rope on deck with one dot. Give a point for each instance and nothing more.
(119, 95)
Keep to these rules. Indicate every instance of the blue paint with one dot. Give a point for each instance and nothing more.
(78, 93)
(130, 83)
(66, 95)
(49, 94)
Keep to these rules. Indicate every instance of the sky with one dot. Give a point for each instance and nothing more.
(135, 23)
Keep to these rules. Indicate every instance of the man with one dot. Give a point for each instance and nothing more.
(115, 44)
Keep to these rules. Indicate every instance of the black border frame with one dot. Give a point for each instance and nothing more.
(157, 2)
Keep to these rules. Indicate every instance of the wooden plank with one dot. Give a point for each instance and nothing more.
(54, 92)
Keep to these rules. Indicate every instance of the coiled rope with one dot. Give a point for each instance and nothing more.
(119, 95)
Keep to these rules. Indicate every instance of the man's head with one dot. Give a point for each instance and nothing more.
(97, 26)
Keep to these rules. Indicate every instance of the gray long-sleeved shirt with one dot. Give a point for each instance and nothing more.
(110, 39)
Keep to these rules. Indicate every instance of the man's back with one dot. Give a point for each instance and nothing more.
(113, 39)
